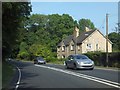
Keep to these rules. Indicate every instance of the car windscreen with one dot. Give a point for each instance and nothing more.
(81, 57)
(39, 58)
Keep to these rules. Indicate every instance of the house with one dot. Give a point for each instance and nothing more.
(79, 43)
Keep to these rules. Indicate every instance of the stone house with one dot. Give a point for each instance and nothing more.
(79, 43)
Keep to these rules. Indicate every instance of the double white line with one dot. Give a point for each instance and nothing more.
(103, 81)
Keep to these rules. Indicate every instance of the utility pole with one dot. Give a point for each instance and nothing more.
(107, 39)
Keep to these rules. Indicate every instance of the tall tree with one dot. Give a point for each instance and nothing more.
(85, 23)
(115, 39)
(13, 13)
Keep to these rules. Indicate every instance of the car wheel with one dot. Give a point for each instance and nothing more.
(75, 67)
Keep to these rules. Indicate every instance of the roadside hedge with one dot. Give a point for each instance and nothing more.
(100, 58)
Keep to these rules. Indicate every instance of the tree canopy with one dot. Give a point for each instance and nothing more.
(36, 36)
(13, 13)
(85, 23)
(115, 39)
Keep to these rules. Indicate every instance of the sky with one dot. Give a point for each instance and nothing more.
(95, 11)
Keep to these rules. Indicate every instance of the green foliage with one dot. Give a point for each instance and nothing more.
(42, 33)
(115, 39)
(100, 58)
(7, 74)
(85, 23)
(12, 16)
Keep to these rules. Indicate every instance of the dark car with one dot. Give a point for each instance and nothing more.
(39, 60)
(79, 62)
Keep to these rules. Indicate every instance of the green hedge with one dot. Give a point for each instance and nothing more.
(100, 58)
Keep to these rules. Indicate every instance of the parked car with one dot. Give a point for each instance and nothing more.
(79, 62)
(39, 60)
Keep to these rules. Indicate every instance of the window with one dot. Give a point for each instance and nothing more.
(72, 47)
(78, 47)
(63, 56)
(96, 46)
(89, 46)
(63, 48)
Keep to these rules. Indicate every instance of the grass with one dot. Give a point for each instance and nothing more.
(7, 73)
(115, 68)
(57, 62)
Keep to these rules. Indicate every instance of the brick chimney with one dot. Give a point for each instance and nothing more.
(76, 32)
(87, 29)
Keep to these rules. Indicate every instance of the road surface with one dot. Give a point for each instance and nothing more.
(34, 76)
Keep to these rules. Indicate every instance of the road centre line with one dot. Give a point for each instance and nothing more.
(103, 81)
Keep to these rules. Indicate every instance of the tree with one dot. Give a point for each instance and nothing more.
(13, 13)
(114, 38)
(42, 33)
(85, 23)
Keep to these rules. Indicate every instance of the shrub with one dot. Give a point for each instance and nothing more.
(100, 58)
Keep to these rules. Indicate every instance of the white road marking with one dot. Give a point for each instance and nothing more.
(18, 82)
(103, 81)
(16, 87)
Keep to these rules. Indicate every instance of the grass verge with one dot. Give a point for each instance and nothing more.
(7, 73)
(57, 62)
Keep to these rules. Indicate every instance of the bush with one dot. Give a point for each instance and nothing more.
(100, 58)
(23, 55)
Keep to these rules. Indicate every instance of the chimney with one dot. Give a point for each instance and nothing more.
(87, 29)
(76, 32)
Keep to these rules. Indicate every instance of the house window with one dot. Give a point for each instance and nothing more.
(72, 47)
(96, 46)
(89, 46)
(78, 47)
(63, 56)
(63, 48)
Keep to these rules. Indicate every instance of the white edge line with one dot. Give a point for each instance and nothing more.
(82, 76)
(18, 82)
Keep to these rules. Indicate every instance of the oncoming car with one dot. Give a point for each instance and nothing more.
(79, 62)
(39, 60)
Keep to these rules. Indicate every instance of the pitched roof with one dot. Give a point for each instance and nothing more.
(83, 36)
(80, 38)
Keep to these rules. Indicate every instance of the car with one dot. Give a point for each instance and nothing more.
(78, 61)
(39, 60)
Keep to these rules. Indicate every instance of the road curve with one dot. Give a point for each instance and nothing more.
(41, 76)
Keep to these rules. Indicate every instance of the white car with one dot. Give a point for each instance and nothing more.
(79, 62)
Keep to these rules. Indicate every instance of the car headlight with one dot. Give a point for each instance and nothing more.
(81, 63)
(78, 62)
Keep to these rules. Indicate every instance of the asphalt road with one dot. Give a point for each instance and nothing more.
(29, 75)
